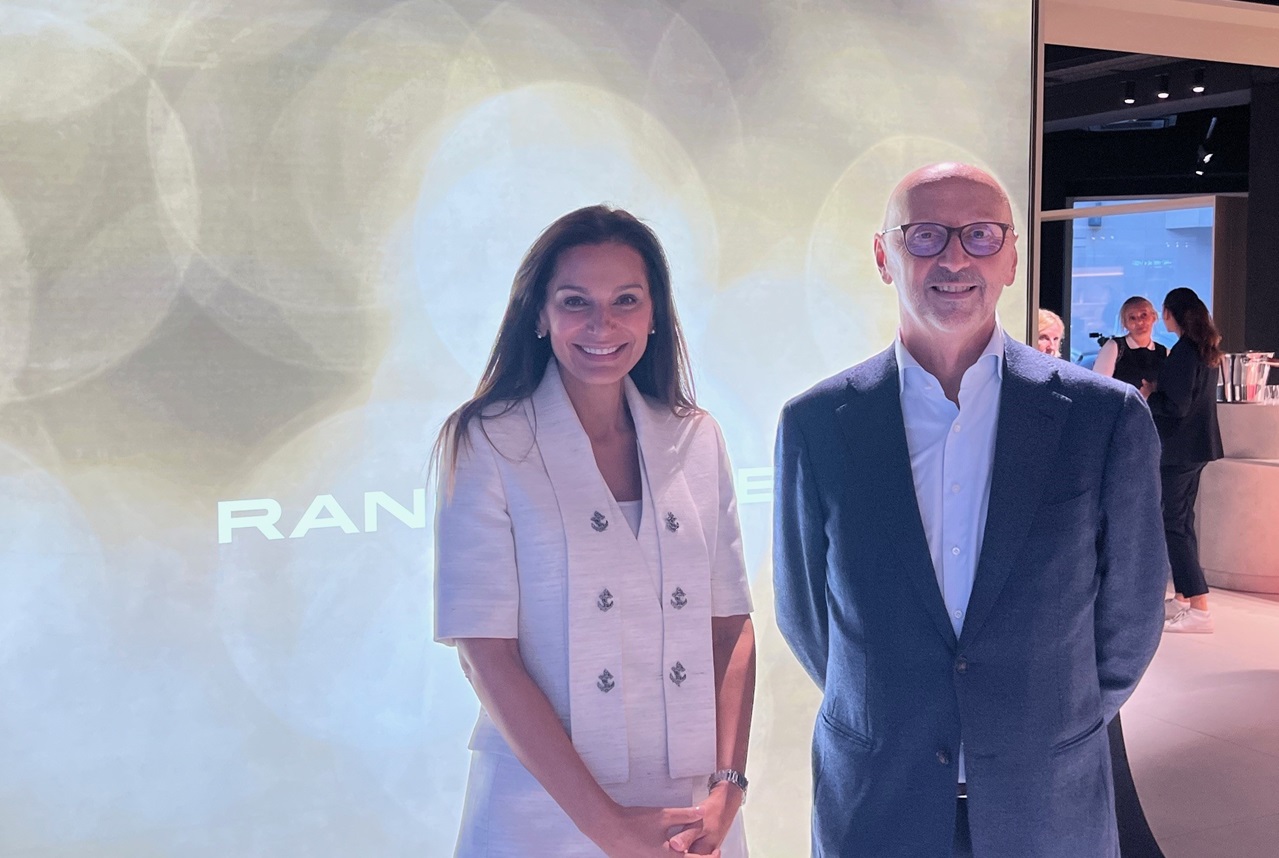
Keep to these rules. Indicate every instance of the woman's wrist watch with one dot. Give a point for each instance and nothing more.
(733, 776)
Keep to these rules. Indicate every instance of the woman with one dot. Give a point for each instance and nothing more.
(1184, 405)
(1135, 357)
(589, 568)
(1051, 330)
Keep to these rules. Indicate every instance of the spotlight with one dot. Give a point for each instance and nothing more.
(1199, 172)
(1163, 86)
(1207, 157)
(1130, 92)
(1199, 81)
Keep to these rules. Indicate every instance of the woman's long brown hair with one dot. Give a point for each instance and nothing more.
(1192, 316)
(518, 359)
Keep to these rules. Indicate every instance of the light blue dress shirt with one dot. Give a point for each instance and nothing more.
(952, 455)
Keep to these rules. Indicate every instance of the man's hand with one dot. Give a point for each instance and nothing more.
(719, 809)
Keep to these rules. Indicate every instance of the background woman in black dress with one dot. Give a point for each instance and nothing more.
(1184, 405)
(1135, 357)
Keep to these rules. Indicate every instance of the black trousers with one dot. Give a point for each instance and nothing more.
(1180, 489)
(963, 837)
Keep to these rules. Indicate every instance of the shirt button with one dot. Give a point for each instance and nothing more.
(954, 489)
(959, 615)
(961, 665)
(956, 428)
(943, 758)
(955, 551)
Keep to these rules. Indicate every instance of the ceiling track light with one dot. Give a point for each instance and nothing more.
(1199, 80)
(1130, 92)
(1163, 86)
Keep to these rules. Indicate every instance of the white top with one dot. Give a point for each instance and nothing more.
(633, 510)
(952, 457)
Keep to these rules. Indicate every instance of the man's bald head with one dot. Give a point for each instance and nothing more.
(983, 185)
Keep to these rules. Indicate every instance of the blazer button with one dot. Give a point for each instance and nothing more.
(678, 674)
(961, 665)
(943, 758)
(678, 598)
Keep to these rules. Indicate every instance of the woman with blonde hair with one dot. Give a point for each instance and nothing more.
(1135, 357)
(1051, 330)
(589, 568)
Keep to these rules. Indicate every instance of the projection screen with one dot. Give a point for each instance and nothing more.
(252, 253)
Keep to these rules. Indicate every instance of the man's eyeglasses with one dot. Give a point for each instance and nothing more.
(924, 240)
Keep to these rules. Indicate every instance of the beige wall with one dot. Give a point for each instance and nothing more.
(1215, 30)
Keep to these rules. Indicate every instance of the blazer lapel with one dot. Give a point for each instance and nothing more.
(600, 551)
(1031, 415)
(873, 423)
(687, 657)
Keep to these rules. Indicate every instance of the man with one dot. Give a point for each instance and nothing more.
(969, 560)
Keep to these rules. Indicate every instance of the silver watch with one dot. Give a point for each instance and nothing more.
(733, 776)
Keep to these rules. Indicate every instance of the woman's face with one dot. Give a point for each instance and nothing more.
(598, 312)
(1139, 319)
(1049, 341)
(1171, 324)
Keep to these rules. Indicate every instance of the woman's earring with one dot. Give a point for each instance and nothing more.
(652, 331)
(541, 334)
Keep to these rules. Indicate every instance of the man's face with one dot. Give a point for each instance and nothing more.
(950, 296)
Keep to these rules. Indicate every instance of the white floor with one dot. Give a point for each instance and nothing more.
(1202, 733)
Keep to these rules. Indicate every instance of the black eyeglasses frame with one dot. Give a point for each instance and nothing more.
(951, 232)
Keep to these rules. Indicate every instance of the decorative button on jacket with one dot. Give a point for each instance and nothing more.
(678, 598)
(678, 674)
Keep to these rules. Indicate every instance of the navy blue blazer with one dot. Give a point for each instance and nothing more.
(1065, 614)
(1185, 407)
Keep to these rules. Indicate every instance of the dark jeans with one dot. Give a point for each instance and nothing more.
(963, 837)
(1180, 488)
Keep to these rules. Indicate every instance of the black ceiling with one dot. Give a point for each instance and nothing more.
(1085, 87)
(1096, 145)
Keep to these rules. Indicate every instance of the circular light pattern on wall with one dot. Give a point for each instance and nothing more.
(508, 168)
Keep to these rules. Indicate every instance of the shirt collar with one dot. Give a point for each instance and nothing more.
(994, 351)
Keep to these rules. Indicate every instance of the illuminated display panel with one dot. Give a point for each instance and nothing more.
(251, 256)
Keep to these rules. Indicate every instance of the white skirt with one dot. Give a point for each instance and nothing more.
(507, 814)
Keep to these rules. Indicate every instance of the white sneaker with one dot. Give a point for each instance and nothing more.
(1173, 607)
(1191, 621)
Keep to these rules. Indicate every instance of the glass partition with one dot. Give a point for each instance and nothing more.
(1145, 252)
